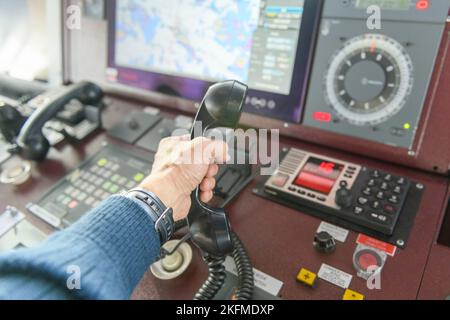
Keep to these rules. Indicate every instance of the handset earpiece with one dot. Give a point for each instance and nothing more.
(221, 107)
(31, 142)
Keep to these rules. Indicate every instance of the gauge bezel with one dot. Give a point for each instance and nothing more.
(387, 47)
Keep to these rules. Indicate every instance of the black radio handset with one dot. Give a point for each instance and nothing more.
(221, 108)
(31, 142)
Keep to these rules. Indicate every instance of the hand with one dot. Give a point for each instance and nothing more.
(180, 166)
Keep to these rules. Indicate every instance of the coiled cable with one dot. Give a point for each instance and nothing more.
(244, 268)
(217, 275)
(215, 280)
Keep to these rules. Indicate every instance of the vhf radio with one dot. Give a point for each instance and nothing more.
(364, 196)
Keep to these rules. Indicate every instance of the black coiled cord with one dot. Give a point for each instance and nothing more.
(217, 273)
(244, 268)
(215, 280)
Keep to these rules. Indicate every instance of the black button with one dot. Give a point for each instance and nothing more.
(358, 210)
(321, 198)
(388, 177)
(362, 200)
(378, 217)
(348, 176)
(375, 173)
(401, 180)
(397, 189)
(384, 186)
(393, 199)
(375, 204)
(311, 195)
(301, 192)
(371, 183)
(292, 189)
(380, 195)
(367, 191)
(352, 168)
(389, 209)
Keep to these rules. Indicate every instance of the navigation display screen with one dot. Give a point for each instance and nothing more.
(180, 47)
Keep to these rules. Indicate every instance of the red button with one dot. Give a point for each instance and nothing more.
(322, 116)
(422, 5)
(367, 260)
(73, 204)
(389, 209)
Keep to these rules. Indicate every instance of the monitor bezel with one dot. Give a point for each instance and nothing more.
(194, 90)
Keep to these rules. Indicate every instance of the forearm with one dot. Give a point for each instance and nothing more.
(112, 246)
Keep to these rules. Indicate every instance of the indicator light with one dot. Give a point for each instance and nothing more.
(422, 5)
(322, 116)
(407, 126)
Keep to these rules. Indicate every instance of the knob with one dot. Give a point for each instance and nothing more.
(324, 242)
(133, 124)
(343, 197)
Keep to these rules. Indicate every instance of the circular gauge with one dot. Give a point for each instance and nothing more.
(369, 79)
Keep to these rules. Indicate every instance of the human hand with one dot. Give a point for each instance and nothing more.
(180, 166)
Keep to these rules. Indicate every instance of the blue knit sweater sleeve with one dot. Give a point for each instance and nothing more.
(102, 256)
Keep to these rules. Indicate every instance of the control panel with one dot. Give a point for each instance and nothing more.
(109, 172)
(367, 197)
(373, 85)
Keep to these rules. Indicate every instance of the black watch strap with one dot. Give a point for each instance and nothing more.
(158, 212)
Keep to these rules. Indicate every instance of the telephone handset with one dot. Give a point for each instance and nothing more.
(221, 108)
(31, 142)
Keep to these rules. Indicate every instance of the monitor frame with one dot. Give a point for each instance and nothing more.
(193, 90)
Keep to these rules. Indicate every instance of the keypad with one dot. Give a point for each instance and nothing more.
(380, 197)
(104, 175)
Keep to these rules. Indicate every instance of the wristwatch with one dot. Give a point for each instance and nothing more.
(158, 212)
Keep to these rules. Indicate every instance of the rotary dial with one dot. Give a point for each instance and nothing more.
(369, 79)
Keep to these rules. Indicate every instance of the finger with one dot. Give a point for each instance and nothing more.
(221, 152)
(206, 196)
(185, 137)
(212, 170)
(216, 151)
(208, 184)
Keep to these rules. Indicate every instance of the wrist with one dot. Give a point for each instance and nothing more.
(160, 214)
(165, 186)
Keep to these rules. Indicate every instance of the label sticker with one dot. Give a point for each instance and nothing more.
(44, 215)
(340, 234)
(335, 276)
(262, 280)
(377, 244)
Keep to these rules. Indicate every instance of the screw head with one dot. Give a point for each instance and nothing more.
(400, 242)
(419, 186)
(411, 153)
(255, 190)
